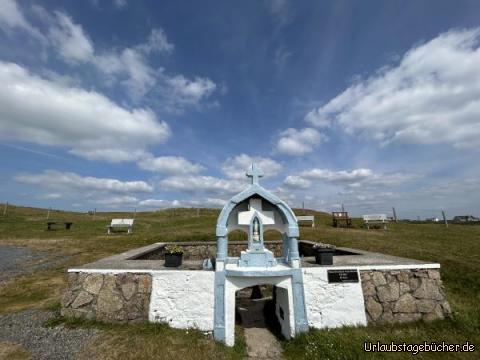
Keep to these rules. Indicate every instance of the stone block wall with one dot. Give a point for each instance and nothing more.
(108, 297)
(207, 250)
(403, 295)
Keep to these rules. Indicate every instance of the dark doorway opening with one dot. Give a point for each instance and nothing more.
(255, 308)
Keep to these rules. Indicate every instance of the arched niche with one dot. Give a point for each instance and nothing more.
(284, 221)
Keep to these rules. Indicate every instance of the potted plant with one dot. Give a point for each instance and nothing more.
(173, 256)
(324, 254)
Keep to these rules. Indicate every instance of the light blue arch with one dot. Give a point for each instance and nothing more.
(290, 254)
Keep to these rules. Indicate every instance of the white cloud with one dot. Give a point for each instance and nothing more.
(180, 92)
(342, 176)
(12, 17)
(157, 42)
(41, 111)
(116, 201)
(299, 142)
(70, 40)
(120, 4)
(432, 96)
(171, 165)
(202, 184)
(297, 182)
(280, 10)
(355, 178)
(237, 166)
(128, 66)
(69, 181)
(159, 203)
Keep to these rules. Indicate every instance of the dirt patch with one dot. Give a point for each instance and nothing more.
(262, 344)
(12, 351)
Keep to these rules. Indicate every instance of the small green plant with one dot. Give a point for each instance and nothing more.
(174, 250)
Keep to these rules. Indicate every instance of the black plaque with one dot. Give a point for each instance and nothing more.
(342, 276)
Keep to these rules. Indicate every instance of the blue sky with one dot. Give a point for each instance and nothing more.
(146, 104)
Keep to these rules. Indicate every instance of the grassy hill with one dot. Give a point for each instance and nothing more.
(457, 248)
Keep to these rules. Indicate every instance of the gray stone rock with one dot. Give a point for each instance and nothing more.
(428, 289)
(365, 276)
(374, 308)
(82, 299)
(436, 314)
(420, 273)
(378, 278)
(72, 278)
(109, 302)
(145, 284)
(406, 304)
(403, 276)
(68, 298)
(93, 283)
(81, 277)
(128, 289)
(387, 316)
(446, 307)
(109, 283)
(414, 283)
(407, 317)
(425, 305)
(390, 292)
(434, 274)
(368, 289)
(439, 312)
(404, 288)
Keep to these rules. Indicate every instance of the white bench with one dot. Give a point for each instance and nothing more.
(119, 224)
(375, 219)
(306, 219)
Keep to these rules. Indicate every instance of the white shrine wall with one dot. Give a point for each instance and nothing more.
(282, 310)
(183, 299)
(332, 305)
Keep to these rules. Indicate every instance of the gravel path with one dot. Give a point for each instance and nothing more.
(16, 260)
(26, 328)
(19, 260)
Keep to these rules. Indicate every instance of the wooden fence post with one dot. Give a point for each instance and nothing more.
(5, 209)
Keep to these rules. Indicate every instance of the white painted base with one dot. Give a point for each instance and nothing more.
(183, 299)
(332, 305)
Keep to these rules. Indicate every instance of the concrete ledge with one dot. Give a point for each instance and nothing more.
(351, 259)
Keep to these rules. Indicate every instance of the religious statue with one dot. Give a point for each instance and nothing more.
(256, 230)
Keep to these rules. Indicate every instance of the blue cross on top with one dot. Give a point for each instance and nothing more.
(254, 172)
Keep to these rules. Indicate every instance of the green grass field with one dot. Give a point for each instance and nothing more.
(456, 248)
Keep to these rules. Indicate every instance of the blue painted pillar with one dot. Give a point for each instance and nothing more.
(299, 308)
(294, 255)
(222, 248)
(286, 247)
